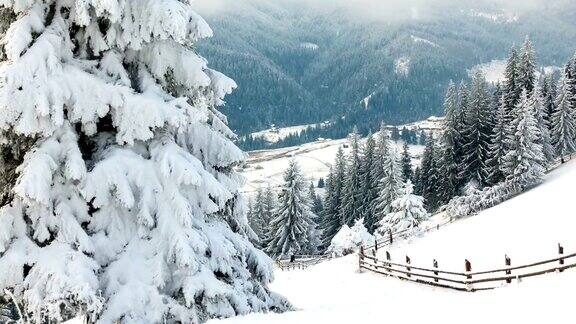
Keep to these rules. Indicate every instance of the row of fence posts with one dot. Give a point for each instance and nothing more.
(467, 263)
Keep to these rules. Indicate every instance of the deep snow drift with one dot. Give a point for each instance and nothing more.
(527, 228)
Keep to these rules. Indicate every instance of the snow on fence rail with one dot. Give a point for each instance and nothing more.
(468, 280)
(302, 261)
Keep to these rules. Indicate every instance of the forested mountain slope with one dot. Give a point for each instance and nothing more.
(297, 65)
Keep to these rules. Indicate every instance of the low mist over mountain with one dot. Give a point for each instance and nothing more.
(299, 62)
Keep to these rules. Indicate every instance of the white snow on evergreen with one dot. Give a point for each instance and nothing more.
(407, 213)
(349, 240)
(126, 208)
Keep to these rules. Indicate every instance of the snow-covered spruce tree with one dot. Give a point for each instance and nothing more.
(564, 121)
(476, 133)
(292, 226)
(497, 147)
(537, 102)
(317, 206)
(331, 220)
(406, 214)
(406, 161)
(348, 240)
(549, 95)
(369, 189)
(389, 187)
(512, 89)
(526, 68)
(126, 206)
(381, 152)
(351, 208)
(528, 160)
(257, 218)
(430, 174)
(570, 75)
(450, 146)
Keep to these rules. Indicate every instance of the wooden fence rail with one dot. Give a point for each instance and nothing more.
(467, 280)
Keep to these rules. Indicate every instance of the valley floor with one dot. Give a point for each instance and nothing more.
(527, 228)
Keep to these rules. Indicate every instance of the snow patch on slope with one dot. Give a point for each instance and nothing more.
(494, 70)
(417, 39)
(310, 46)
(274, 134)
(402, 66)
(497, 17)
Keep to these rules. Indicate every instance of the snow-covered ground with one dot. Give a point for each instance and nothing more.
(527, 228)
(267, 167)
(274, 134)
(494, 70)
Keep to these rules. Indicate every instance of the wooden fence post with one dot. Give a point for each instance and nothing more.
(391, 238)
(388, 258)
(408, 266)
(561, 252)
(376, 245)
(360, 258)
(508, 264)
(435, 264)
(468, 268)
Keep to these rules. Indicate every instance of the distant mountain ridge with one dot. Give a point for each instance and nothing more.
(299, 66)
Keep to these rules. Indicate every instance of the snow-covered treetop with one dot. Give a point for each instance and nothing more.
(348, 240)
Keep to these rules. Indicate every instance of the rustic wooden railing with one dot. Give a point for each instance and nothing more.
(302, 261)
(468, 280)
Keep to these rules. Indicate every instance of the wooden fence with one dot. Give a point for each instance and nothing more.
(302, 261)
(468, 280)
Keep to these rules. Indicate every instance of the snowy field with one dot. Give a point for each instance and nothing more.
(273, 135)
(527, 228)
(494, 70)
(267, 167)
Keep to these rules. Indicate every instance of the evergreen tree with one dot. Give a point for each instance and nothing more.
(317, 207)
(476, 133)
(537, 102)
(549, 95)
(429, 174)
(321, 183)
(369, 190)
(570, 78)
(331, 220)
(497, 149)
(526, 65)
(256, 216)
(564, 121)
(382, 149)
(527, 161)
(351, 208)
(292, 229)
(126, 204)
(389, 188)
(406, 163)
(512, 88)
(407, 212)
(450, 148)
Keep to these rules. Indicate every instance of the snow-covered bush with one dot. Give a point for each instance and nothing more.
(349, 240)
(125, 206)
(407, 213)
